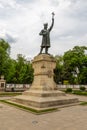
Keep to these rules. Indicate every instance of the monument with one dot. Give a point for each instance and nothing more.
(46, 36)
(43, 93)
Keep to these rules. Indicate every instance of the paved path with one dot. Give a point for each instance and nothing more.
(69, 118)
(81, 98)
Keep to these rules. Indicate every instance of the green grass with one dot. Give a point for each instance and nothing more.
(9, 94)
(78, 92)
(83, 103)
(29, 109)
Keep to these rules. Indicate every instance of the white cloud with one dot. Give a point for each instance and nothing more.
(22, 21)
(9, 4)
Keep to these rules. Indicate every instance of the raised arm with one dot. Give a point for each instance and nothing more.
(51, 24)
(52, 21)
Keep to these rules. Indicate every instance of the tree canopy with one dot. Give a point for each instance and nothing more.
(4, 56)
(14, 71)
(74, 67)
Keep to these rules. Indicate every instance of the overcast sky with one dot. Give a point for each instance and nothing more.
(22, 20)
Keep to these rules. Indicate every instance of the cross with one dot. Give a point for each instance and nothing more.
(53, 14)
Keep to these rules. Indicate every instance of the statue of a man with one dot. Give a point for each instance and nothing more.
(46, 36)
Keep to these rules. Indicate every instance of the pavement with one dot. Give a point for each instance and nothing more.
(68, 118)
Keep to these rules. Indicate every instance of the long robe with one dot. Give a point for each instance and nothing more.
(46, 36)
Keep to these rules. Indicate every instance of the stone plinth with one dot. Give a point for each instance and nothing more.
(43, 65)
(43, 93)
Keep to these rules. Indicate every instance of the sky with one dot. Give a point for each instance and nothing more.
(22, 20)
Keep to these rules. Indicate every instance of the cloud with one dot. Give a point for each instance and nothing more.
(8, 4)
(7, 34)
(22, 20)
(8, 37)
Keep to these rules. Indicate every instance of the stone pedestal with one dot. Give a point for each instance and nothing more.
(43, 65)
(43, 93)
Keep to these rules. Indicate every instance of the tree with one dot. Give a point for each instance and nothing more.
(74, 62)
(10, 75)
(23, 70)
(4, 56)
(58, 70)
(14, 71)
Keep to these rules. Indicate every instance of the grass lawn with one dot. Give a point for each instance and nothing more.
(77, 92)
(3, 94)
(83, 103)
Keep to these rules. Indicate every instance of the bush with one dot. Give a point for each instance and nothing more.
(65, 82)
(82, 88)
(69, 90)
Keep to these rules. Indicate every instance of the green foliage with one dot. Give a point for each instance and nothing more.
(68, 90)
(4, 56)
(15, 71)
(75, 64)
(23, 72)
(5, 45)
(65, 82)
(58, 70)
(82, 88)
(83, 75)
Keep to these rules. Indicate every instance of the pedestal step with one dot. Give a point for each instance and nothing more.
(47, 102)
(52, 93)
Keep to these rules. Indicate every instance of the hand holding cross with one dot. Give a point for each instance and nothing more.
(53, 15)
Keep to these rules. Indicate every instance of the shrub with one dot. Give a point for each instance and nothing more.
(82, 88)
(65, 82)
(69, 90)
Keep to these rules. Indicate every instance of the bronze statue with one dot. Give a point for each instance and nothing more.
(46, 36)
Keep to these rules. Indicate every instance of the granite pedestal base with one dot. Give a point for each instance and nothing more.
(45, 100)
(44, 93)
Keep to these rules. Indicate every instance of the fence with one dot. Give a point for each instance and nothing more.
(17, 87)
(70, 86)
(23, 87)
